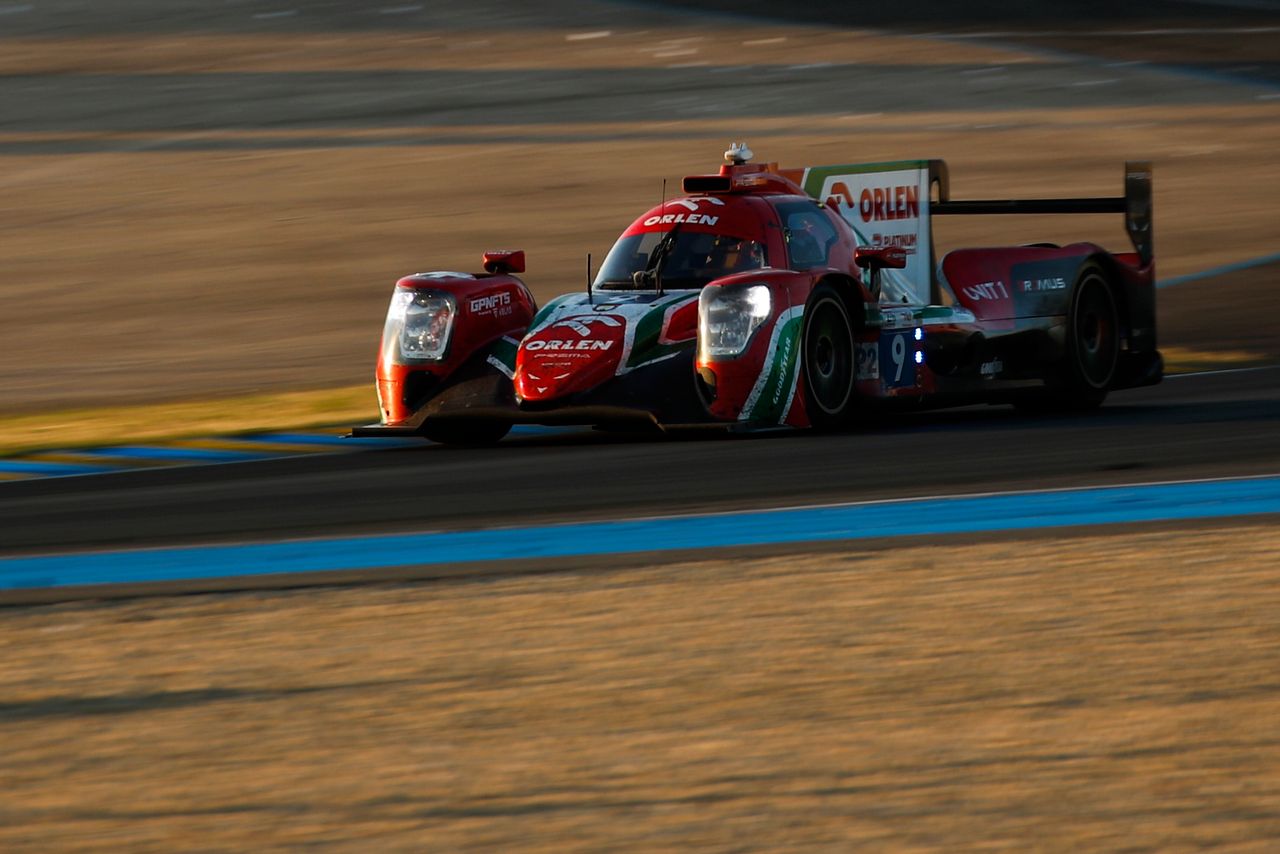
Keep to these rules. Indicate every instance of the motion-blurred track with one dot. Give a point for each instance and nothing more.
(1204, 425)
(1196, 426)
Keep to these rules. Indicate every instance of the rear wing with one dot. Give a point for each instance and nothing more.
(892, 204)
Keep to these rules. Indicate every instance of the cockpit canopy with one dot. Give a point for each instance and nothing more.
(690, 259)
(692, 241)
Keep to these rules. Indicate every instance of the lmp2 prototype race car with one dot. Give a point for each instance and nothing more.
(770, 297)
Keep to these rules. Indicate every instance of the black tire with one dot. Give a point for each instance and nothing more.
(827, 359)
(1093, 341)
(470, 434)
(1091, 355)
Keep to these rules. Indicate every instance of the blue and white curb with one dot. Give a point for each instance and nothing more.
(1012, 511)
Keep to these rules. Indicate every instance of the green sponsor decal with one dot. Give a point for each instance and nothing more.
(818, 175)
(771, 397)
(502, 355)
(547, 311)
(646, 346)
(937, 314)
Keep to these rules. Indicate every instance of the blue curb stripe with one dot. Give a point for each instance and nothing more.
(158, 452)
(39, 467)
(964, 514)
(1224, 270)
(323, 439)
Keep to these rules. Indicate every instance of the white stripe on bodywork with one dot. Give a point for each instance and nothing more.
(761, 380)
(629, 337)
(795, 380)
(666, 321)
(498, 363)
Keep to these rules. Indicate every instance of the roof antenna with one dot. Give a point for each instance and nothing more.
(657, 279)
(589, 300)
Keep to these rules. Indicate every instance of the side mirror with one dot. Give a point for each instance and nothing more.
(894, 257)
(504, 261)
(876, 260)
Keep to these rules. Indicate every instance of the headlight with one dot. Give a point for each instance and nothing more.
(419, 324)
(727, 317)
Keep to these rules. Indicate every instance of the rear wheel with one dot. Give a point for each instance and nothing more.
(828, 359)
(1093, 342)
(466, 433)
(1092, 350)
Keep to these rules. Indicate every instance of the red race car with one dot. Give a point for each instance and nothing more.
(770, 297)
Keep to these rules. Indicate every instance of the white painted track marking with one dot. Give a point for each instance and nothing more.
(1168, 31)
(1222, 371)
(659, 517)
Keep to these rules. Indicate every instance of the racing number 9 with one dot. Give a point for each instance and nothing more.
(895, 355)
(899, 357)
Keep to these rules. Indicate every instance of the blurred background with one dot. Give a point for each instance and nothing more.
(201, 199)
(214, 198)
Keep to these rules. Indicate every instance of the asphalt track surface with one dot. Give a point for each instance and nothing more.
(1207, 425)
(1196, 426)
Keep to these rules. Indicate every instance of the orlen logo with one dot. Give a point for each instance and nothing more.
(690, 219)
(879, 204)
(580, 324)
(554, 344)
(693, 218)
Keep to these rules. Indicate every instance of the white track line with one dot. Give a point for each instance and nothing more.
(1170, 31)
(1222, 371)
(755, 511)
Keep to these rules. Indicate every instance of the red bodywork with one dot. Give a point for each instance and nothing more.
(992, 323)
(489, 307)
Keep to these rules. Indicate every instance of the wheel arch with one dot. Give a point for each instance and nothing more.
(850, 292)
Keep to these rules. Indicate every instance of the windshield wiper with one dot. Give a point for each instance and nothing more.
(651, 275)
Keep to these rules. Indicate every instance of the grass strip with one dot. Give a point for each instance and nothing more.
(333, 409)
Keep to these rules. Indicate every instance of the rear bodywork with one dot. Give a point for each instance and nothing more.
(976, 325)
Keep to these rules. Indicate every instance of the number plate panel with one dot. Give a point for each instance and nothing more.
(897, 359)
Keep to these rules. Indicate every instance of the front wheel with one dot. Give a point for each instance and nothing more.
(470, 434)
(828, 359)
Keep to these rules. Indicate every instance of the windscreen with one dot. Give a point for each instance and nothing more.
(693, 258)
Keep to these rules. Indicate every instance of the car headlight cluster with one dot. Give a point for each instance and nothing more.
(727, 316)
(419, 324)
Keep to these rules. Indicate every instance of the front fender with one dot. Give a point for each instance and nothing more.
(489, 308)
(760, 384)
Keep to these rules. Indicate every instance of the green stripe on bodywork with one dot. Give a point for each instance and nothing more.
(549, 309)
(781, 373)
(817, 175)
(503, 351)
(644, 344)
